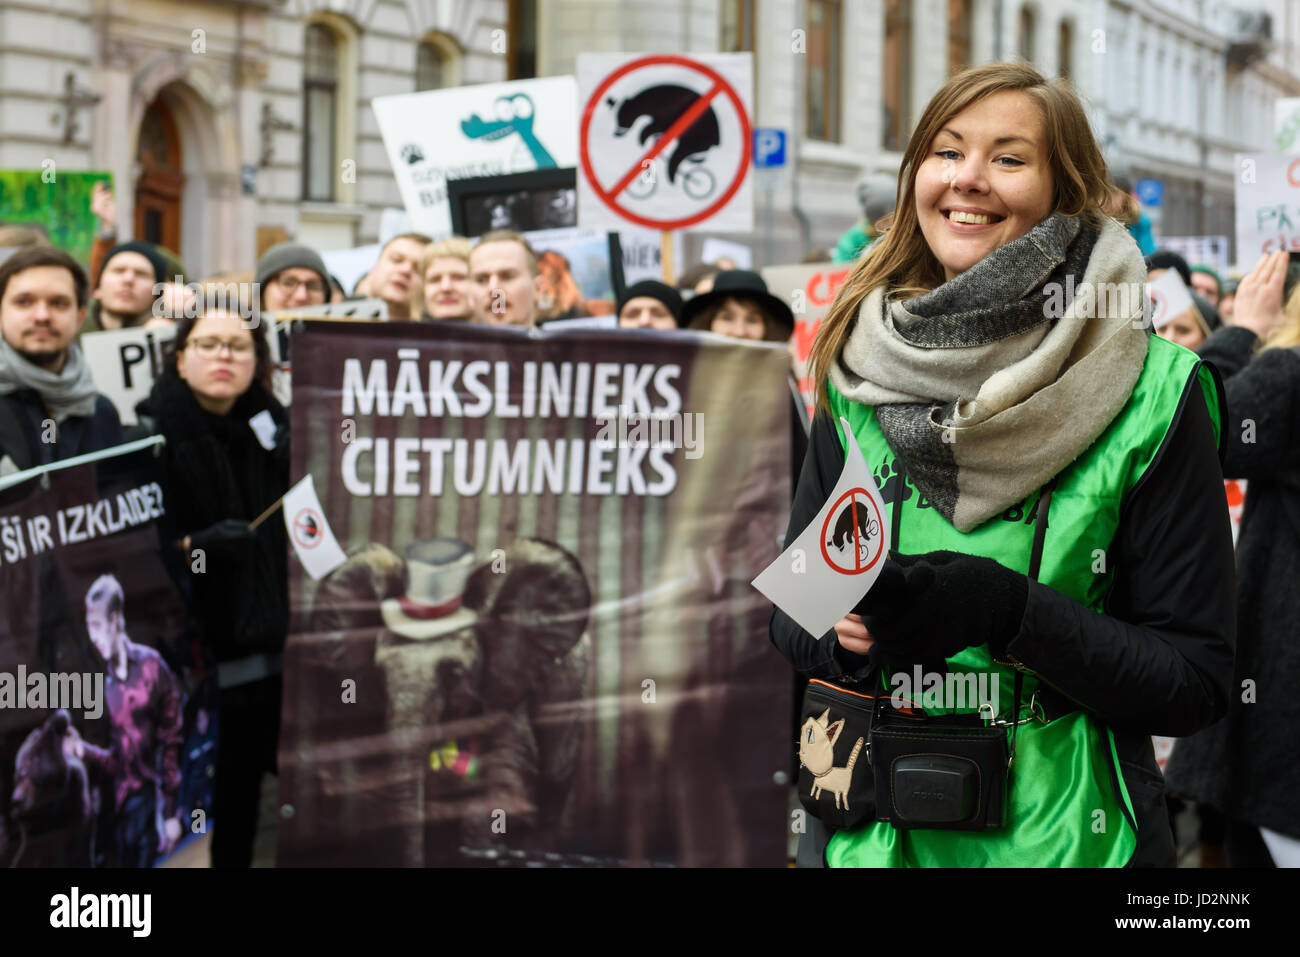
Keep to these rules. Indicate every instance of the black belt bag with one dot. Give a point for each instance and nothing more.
(947, 773)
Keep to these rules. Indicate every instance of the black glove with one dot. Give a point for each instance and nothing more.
(929, 607)
(225, 534)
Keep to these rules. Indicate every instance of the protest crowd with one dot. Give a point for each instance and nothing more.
(1135, 426)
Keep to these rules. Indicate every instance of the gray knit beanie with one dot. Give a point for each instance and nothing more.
(284, 256)
(876, 195)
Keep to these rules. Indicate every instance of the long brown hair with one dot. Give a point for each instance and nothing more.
(901, 259)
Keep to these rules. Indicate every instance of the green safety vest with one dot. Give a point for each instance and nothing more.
(1064, 805)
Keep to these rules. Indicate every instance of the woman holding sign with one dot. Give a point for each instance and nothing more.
(1058, 520)
(226, 461)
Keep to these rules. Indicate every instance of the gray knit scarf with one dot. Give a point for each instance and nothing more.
(995, 381)
(66, 393)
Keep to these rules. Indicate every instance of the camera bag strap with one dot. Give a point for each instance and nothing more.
(1035, 563)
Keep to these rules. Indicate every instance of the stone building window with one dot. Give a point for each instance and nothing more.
(1064, 43)
(1025, 35)
(737, 26)
(521, 27)
(320, 79)
(896, 74)
(959, 35)
(437, 63)
(822, 102)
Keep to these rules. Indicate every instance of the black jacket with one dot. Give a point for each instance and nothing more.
(214, 468)
(22, 418)
(1246, 764)
(1157, 662)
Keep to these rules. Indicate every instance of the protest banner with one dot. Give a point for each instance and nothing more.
(665, 141)
(809, 291)
(467, 131)
(107, 721)
(1267, 198)
(543, 647)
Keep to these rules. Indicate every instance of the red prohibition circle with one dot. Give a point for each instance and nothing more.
(299, 526)
(610, 201)
(880, 548)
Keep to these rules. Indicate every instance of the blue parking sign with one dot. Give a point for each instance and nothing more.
(1150, 192)
(769, 147)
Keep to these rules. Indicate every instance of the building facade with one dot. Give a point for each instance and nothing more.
(228, 126)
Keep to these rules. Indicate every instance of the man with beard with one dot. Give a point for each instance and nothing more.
(49, 408)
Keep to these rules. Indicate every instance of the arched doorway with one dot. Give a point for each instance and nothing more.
(158, 190)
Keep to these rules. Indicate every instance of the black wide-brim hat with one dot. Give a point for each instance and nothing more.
(738, 282)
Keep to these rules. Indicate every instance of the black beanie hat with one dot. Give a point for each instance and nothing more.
(148, 250)
(1167, 259)
(654, 289)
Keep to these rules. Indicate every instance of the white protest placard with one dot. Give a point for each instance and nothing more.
(124, 364)
(487, 130)
(1169, 297)
(312, 538)
(1210, 251)
(1267, 200)
(833, 562)
(665, 141)
(809, 290)
(642, 252)
(349, 265)
(715, 249)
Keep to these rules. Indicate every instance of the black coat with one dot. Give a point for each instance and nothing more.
(22, 417)
(1246, 764)
(214, 468)
(1156, 662)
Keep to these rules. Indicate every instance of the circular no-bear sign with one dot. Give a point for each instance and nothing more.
(307, 525)
(852, 536)
(665, 142)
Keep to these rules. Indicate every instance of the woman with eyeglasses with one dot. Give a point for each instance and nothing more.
(225, 462)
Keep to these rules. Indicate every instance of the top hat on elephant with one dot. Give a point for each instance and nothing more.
(436, 572)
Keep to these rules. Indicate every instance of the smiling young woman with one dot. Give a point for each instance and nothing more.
(981, 409)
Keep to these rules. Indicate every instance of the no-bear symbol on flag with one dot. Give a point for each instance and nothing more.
(851, 535)
(824, 572)
(665, 141)
(307, 528)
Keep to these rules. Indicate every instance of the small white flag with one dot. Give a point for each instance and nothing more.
(1169, 297)
(312, 539)
(835, 560)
